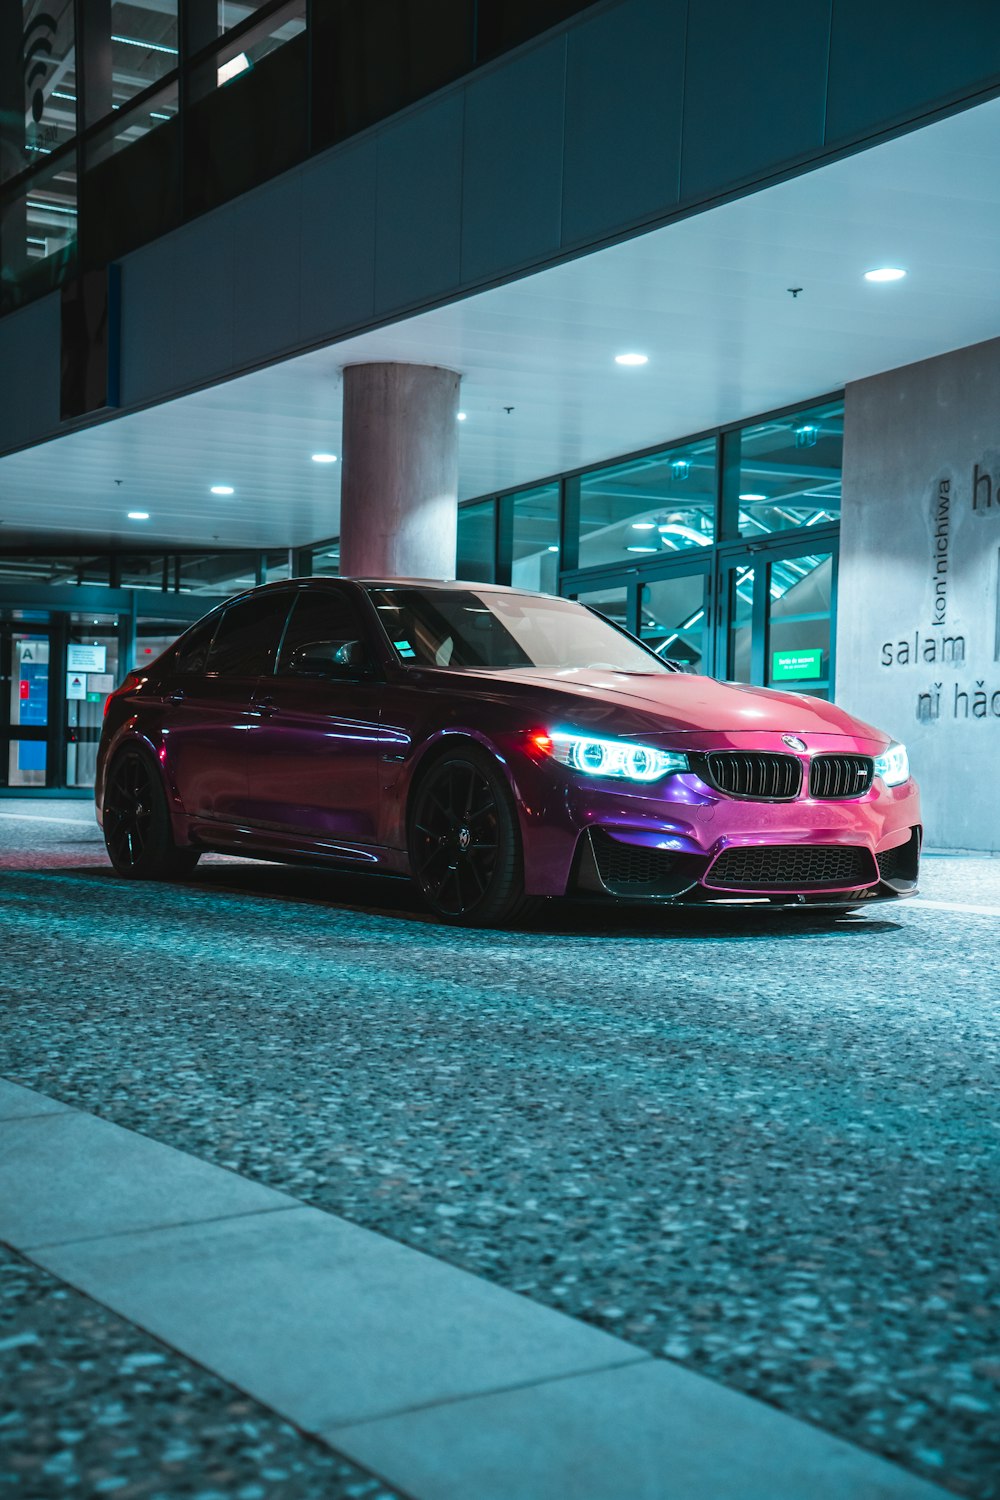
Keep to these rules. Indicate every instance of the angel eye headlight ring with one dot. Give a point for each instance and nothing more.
(620, 759)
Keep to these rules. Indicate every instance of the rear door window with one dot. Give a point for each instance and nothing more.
(246, 642)
(192, 652)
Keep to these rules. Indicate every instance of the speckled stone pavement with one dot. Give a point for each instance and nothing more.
(762, 1147)
(94, 1407)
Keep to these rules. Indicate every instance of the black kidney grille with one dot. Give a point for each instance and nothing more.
(628, 864)
(794, 866)
(837, 776)
(758, 776)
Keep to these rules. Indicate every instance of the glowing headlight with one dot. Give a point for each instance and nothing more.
(615, 758)
(893, 765)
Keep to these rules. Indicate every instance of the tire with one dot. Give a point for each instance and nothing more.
(465, 843)
(137, 830)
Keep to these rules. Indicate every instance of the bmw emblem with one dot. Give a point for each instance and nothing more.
(793, 742)
(464, 839)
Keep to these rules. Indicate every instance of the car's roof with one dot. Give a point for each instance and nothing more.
(395, 583)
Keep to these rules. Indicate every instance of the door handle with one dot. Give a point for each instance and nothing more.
(177, 696)
(264, 708)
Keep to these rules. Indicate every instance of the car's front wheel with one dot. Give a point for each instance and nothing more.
(464, 841)
(137, 831)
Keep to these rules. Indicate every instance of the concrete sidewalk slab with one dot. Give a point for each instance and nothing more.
(65, 1175)
(17, 1102)
(441, 1382)
(326, 1322)
(650, 1431)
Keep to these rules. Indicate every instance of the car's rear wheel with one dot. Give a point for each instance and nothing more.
(464, 841)
(137, 831)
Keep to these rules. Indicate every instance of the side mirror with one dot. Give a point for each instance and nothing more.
(331, 659)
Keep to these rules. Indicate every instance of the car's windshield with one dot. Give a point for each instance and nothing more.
(464, 627)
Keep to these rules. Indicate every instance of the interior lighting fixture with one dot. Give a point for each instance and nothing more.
(223, 489)
(553, 549)
(324, 458)
(753, 497)
(643, 525)
(642, 549)
(134, 41)
(806, 435)
(631, 359)
(680, 468)
(885, 273)
(461, 416)
(233, 68)
(138, 515)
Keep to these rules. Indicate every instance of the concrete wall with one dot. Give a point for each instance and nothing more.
(634, 112)
(918, 632)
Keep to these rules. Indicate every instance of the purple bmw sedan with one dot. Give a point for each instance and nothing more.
(496, 746)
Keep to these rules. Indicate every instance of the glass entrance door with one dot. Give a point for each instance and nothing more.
(91, 674)
(777, 627)
(24, 705)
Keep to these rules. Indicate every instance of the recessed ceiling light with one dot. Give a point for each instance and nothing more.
(461, 416)
(553, 549)
(642, 549)
(138, 515)
(885, 273)
(643, 525)
(223, 489)
(631, 359)
(324, 458)
(753, 497)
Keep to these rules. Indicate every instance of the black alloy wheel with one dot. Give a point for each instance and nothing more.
(137, 829)
(464, 842)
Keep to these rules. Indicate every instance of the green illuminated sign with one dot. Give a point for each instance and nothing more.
(797, 666)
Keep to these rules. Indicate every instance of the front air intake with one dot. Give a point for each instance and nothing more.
(792, 867)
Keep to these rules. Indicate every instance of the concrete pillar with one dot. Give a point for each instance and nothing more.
(399, 481)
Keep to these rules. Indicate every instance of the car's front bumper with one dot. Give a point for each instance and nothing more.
(685, 841)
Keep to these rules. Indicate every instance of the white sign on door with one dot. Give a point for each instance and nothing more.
(76, 685)
(87, 658)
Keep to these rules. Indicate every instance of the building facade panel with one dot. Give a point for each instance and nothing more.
(177, 300)
(267, 234)
(337, 249)
(902, 58)
(919, 609)
(624, 103)
(419, 205)
(512, 168)
(754, 90)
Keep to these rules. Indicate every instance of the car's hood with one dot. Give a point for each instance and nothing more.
(680, 703)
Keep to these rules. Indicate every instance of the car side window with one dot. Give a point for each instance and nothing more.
(246, 642)
(192, 651)
(325, 636)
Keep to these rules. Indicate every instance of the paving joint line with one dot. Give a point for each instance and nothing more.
(122, 1234)
(641, 1357)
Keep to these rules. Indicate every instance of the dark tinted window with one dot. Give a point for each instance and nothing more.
(325, 627)
(192, 652)
(247, 640)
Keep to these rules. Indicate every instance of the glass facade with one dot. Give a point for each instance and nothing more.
(148, 112)
(677, 547)
(534, 532)
(651, 506)
(789, 471)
